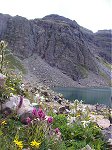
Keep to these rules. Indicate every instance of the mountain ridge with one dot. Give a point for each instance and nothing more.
(58, 41)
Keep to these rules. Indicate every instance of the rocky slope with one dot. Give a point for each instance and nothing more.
(64, 49)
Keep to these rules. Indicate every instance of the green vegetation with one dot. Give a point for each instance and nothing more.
(104, 62)
(43, 129)
(15, 63)
(107, 65)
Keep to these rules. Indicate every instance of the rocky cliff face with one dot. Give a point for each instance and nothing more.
(59, 41)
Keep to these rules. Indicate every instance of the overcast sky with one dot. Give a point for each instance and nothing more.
(92, 14)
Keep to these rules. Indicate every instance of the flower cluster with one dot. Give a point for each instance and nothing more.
(35, 144)
(18, 143)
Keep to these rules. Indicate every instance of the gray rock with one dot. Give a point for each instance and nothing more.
(59, 41)
(13, 103)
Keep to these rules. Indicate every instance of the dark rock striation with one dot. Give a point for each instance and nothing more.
(59, 41)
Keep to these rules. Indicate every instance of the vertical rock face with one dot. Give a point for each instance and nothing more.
(61, 45)
(19, 36)
(104, 40)
(3, 24)
(59, 41)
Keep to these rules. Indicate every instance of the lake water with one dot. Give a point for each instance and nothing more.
(88, 95)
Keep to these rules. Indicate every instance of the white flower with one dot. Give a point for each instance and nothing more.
(36, 97)
(22, 87)
(0, 57)
(11, 94)
(85, 123)
(42, 98)
(72, 133)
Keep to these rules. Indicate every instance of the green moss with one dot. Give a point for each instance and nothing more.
(14, 62)
(104, 62)
(109, 66)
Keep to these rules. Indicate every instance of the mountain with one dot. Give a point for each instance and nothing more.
(60, 44)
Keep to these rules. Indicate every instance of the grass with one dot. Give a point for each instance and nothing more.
(14, 62)
(105, 77)
(104, 62)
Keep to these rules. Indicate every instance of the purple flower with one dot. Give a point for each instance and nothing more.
(20, 102)
(34, 112)
(50, 120)
(40, 114)
(28, 120)
(57, 130)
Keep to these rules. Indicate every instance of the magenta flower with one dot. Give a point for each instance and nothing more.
(57, 130)
(20, 102)
(40, 114)
(50, 120)
(34, 112)
(28, 120)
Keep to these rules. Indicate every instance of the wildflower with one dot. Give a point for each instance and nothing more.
(96, 127)
(57, 130)
(93, 113)
(12, 89)
(2, 44)
(36, 97)
(72, 134)
(50, 120)
(28, 120)
(85, 123)
(40, 114)
(78, 115)
(0, 57)
(42, 98)
(3, 122)
(22, 87)
(35, 144)
(34, 112)
(58, 134)
(18, 143)
(11, 94)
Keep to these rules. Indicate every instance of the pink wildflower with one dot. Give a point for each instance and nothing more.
(57, 130)
(34, 112)
(50, 120)
(40, 114)
(28, 120)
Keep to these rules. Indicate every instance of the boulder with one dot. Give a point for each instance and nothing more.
(23, 117)
(5, 112)
(14, 102)
(94, 118)
(103, 123)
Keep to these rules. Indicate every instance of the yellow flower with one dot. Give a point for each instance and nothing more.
(78, 115)
(96, 126)
(18, 143)
(35, 144)
(3, 122)
(93, 113)
(12, 89)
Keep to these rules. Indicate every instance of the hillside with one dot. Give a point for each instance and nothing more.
(58, 51)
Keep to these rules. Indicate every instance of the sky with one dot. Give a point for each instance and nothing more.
(91, 14)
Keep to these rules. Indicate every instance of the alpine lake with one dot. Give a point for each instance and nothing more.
(87, 95)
